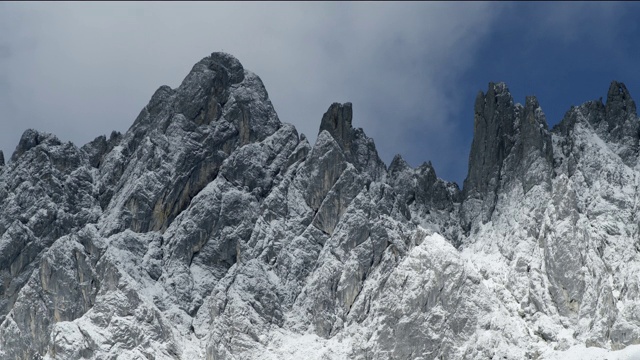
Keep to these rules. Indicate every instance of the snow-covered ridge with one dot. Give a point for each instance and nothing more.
(211, 230)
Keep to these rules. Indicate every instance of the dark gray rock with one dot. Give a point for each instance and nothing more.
(99, 147)
(326, 165)
(616, 122)
(494, 120)
(533, 151)
(30, 139)
(511, 144)
(218, 107)
(356, 146)
(95, 150)
(493, 139)
(338, 122)
(48, 194)
(619, 109)
(622, 122)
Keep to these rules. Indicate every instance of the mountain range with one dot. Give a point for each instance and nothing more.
(212, 230)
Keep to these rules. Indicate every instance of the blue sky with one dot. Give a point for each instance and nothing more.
(563, 53)
(412, 70)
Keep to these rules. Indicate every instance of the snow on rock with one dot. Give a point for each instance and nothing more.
(211, 230)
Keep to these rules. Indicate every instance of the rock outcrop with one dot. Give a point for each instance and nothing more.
(211, 230)
(511, 145)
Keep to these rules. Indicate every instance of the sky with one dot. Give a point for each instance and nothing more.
(412, 70)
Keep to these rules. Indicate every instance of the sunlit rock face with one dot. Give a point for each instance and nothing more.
(212, 230)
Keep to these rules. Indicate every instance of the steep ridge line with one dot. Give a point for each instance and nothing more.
(211, 230)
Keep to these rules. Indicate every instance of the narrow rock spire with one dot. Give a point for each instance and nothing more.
(494, 118)
(619, 104)
(358, 149)
(338, 122)
(508, 139)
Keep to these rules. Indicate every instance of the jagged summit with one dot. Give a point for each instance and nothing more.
(211, 230)
(31, 138)
(338, 122)
(398, 164)
(620, 105)
(494, 127)
(508, 140)
(359, 149)
(616, 122)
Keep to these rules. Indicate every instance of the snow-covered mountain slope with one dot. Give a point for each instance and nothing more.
(211, 230)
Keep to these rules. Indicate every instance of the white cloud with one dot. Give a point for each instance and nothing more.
(83, 69)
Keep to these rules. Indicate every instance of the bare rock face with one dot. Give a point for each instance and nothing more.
(511, 145)
(211, 230)
(356, 146)
(620, 108)
(100, 146)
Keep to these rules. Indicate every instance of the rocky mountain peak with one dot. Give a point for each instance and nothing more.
(615, 122)
(337, 120)
(229, 63)
(1, 158)
(30, 139)
(493, 138)
(619, 105)
(185, 134)
(508, 139)
(494, 124)
(358, 149)
(211, 230)
(100, 146)
(398, 165)
(623, 126)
